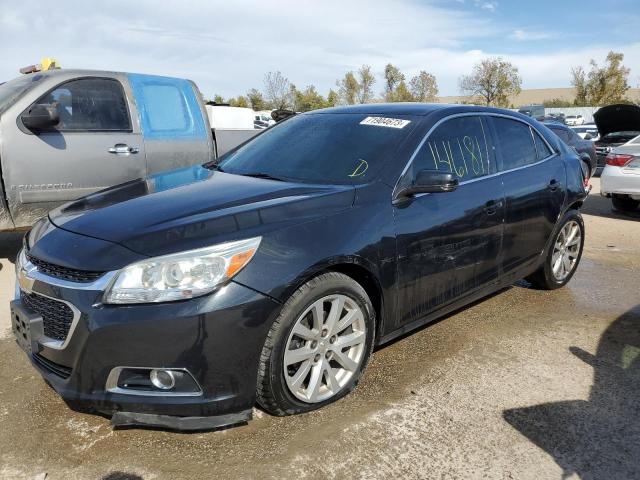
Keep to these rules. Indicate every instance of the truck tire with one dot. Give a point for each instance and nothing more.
(318, 346)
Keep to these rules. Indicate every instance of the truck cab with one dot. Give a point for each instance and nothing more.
(67, 133)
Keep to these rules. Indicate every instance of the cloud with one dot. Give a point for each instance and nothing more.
(227, 47)
(489, 6)
(527, 36)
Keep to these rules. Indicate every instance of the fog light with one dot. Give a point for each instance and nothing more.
(162, 379)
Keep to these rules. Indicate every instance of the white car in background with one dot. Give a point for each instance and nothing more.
(574, 120)
(587, 132)
(620, 178)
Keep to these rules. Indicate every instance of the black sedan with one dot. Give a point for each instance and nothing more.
(182, 299)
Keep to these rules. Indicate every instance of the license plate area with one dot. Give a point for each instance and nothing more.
(27, 327)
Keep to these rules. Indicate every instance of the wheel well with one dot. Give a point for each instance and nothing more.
(370, 284)
(576, 205)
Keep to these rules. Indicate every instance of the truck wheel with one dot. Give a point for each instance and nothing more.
(563, 255)
(318, 346)
(624, 203)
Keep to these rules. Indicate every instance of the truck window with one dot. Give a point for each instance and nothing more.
(90, 104)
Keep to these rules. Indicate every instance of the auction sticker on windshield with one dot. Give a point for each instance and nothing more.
(385, 122)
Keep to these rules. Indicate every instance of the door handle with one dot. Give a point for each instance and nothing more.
(123, 149)
(553, 185)
(491, 207)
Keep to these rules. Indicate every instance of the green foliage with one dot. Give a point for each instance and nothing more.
(392, 78)
(240, 101)
(308, 99)
(424, 87)
(332, 98)
(367, 80)
(557, 103)
(256, 100)
(349, 89)
(493, 80)
(218, 99)
(601, 86)
(400, 93)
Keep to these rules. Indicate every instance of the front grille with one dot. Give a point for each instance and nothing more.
(65, 273)
(56, 316)
(55, 368)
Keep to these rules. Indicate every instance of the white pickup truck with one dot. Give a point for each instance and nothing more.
(68, 133)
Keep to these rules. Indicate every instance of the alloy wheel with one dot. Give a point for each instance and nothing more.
(566, 250)
(325, 348)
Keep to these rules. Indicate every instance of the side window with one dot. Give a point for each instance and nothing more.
(562, 134)
(542, 149)
(460, 146)
(516, 143)
(90, 104)
(168, 107)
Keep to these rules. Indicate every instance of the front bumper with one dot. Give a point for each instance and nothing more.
(218, 338)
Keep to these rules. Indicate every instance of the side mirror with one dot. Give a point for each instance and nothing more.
(41, 116)
(587, 136)
(429, 181)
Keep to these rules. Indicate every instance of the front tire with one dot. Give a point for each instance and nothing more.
(563, 254)
(624, 203)
(318, 347)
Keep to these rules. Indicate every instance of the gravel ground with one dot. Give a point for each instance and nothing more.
(524, 384)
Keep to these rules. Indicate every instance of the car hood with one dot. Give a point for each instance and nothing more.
(195, 207)
(617, 118)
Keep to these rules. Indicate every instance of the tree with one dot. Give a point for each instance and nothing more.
(494, 80)
(332, 98)
(557, 103)
(308, 99)
(256, 100)
(241, 101)
(392, 78)
(604, 85)
(218, 99)
(277, 90)
(349, 89)
(424, 87)
(401, 93)
(367, 79)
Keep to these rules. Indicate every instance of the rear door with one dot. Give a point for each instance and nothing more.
(534, 181)
(449, 243)
(95, 145)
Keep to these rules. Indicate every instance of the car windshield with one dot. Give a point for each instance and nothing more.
(11, 90)
(325, 148)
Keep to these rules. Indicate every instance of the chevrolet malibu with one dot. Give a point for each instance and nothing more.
(182, 299)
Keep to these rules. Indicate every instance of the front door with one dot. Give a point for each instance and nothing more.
(449, 244)
(95, 145)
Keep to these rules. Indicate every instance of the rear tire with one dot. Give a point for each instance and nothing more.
(624, 203)
(310, 358)
(563, 254)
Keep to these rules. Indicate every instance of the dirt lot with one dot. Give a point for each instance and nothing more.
(524, 385)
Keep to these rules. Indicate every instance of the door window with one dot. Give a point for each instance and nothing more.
(542, 148)
(516, 143)
(90, 104)
(459, 146)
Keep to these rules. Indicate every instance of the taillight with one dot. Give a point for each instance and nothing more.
(618, 159)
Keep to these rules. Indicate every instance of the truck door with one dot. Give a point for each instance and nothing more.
(96, 144)
(173, 121)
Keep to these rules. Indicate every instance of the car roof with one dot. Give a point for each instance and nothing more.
(413, 108)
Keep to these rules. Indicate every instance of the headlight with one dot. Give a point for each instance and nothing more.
(180, 275)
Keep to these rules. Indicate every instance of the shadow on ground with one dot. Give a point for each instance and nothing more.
(598, 438)
(10, 244)
(601, 207)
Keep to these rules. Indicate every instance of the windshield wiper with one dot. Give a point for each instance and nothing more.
(266, 176)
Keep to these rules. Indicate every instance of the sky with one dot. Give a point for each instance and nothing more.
(227, 46)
